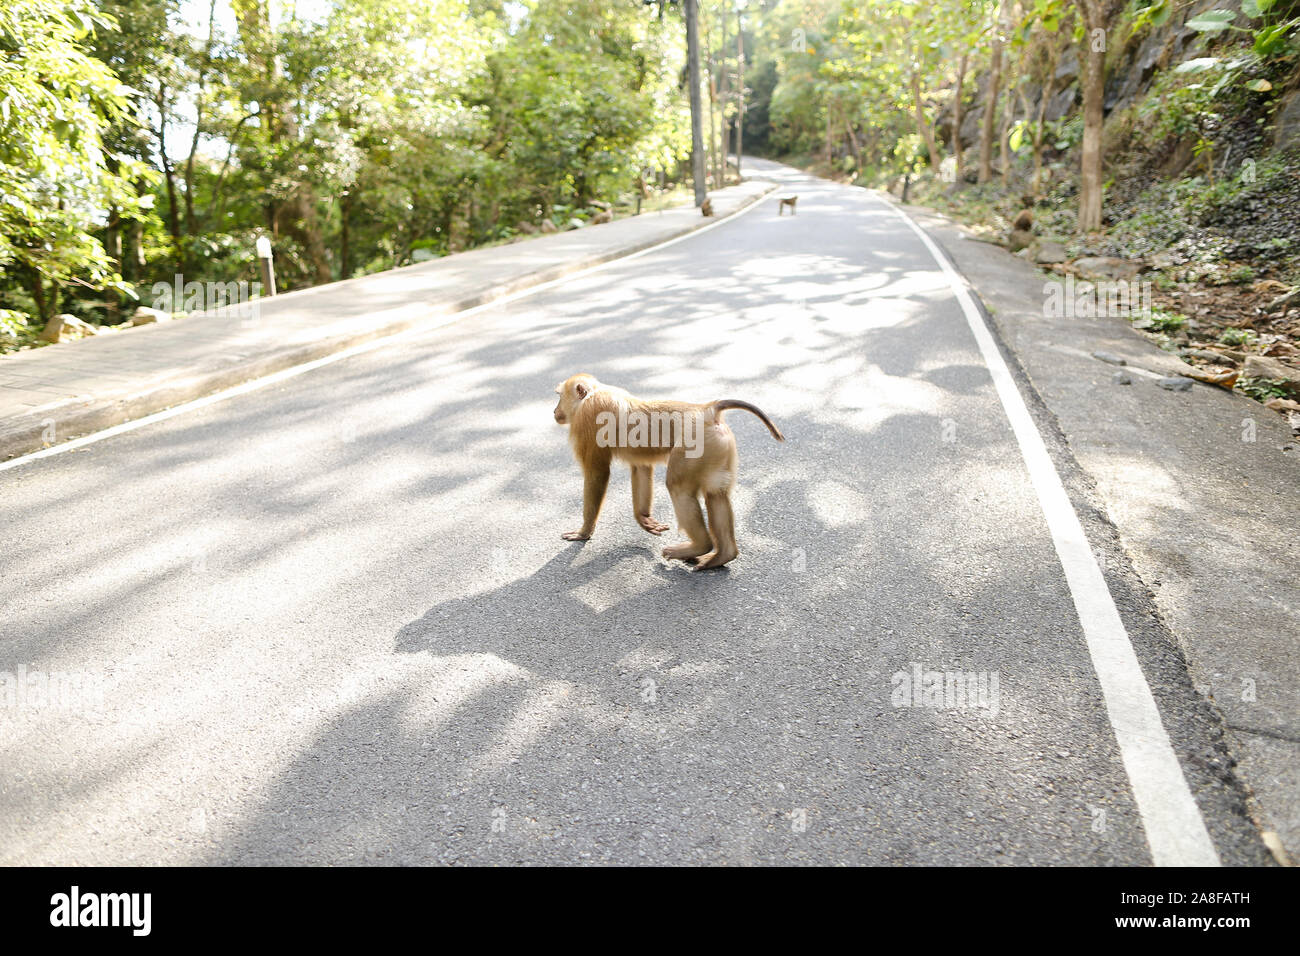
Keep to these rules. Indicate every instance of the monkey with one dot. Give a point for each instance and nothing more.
(786, 201)
(706, 207)
(692, 439)
(1024, 220)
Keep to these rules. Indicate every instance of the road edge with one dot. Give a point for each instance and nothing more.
(1158, 647)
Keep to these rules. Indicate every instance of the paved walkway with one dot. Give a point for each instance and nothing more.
(52, 394)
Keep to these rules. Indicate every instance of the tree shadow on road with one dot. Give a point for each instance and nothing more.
(605, 701)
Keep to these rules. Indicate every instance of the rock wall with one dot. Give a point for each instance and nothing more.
(1130, 74)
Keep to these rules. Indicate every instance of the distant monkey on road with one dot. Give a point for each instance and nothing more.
(786, 201)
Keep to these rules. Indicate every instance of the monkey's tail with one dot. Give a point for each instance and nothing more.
(722, 405)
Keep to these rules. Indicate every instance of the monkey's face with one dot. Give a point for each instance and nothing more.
(572, 392)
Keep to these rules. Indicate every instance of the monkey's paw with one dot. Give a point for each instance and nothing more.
(715, 559)
(575, 536)
(654, 527)
(682, 552)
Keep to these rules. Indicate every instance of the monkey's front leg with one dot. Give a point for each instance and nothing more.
(643, 490)
(595, 480)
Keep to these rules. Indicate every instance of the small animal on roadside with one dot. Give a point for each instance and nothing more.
(706, 207)
(692, 439)
(786, 201)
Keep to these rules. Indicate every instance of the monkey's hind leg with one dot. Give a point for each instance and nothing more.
(689, 516)
(722, 528)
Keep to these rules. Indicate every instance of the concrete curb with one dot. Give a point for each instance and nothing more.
(23, 435)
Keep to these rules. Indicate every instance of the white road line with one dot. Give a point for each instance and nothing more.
(1174, 827)
(424, 328)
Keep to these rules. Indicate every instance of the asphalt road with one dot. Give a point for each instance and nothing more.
(332, 621)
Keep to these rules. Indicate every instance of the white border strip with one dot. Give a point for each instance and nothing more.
(1174, 827)
(430, 326)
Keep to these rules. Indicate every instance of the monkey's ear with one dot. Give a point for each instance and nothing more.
(581, 390)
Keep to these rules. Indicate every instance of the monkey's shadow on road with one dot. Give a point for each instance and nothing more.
(574, 617)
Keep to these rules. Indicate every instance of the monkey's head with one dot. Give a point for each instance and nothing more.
(572, 391)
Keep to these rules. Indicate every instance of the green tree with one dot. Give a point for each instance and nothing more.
(56, 178)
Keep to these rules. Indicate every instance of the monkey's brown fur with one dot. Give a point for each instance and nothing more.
(711, 474)
(786, 201)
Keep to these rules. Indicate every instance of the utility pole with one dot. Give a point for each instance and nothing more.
(740, 84)
(691, 9)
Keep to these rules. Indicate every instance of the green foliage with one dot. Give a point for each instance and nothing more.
(137, 147)
(862, 81)
(1272, 36)
(1211, 21)
(14, 330)
(1164, 321)
(1154, 14)
(1182, 103)
(570, 124)
(1232, 336)
(1066, 133)
(1261, 389)
(55, 176)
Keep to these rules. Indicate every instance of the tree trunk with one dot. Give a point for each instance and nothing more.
(991, 105)
(1036, 185)
(191, 226)
(169, 174)
(724, 95)
(1040, 125)
(715, 126)
(1004, 131)
(303, 208)
(133, 261)
(711, 84)
(957, 116)
(37, 289)
(113, 247)
(923, 128)
(740, 89)
(693, 78)
(1094, 89)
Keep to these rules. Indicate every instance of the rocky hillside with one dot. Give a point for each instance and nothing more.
(1202, 155)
